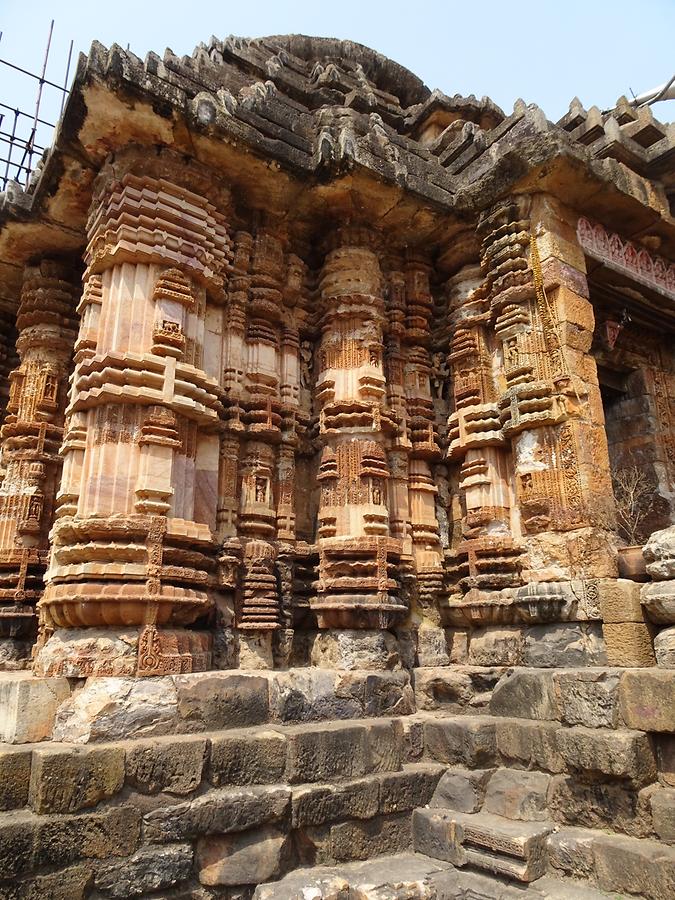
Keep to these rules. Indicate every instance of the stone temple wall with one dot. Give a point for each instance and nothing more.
(322, 396)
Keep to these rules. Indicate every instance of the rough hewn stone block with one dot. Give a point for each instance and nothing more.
(247, 757)
(171, 764)
(615, 806)
(617, 754)
(66, 779)
(564, 645)
(60, 840)
(619, 600)
(632, 866)
(324, 752)
(28, 706)
(111, 709)
(525, 694)
(15, 765)
(218, 811)
(629, 644)
(212, 700)
(463, 740)
(461, 789)
(384, 740)
(497, 646)
(318, 804)
(663, 813)
(647, 700)
(241, 858)
(664, 648)
(149, 869)
(530, 743)
(570, 850)
(588, 697)
(373, 837)
(414, 786)
(514, 794)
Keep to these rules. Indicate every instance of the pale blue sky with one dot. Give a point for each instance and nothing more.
(545, 52)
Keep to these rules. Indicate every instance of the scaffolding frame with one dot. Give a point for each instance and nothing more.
(20, 152)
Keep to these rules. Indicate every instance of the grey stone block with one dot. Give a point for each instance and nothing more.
(461, 789)
(247, 757)
(462, 740)
(525, 694)
(515, 794)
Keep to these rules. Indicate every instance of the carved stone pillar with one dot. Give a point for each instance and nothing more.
(358, 557)
(31, 437)
(134, 547)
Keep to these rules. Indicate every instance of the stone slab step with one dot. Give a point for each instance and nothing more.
(115, 708)
(54, 777)
(414, 876)
(501, 846)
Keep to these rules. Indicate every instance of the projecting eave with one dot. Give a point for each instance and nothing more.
(304, 163)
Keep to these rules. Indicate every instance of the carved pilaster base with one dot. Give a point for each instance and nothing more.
(147, 651)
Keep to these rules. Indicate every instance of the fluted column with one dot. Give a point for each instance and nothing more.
(134, 544)
(358, 557)
(30, 438)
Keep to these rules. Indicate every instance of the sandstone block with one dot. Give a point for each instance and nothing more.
(431, 834)
(211, 700)
(525, 694)
(310, 695)
(633, 866)
(414, 786)
(17, 839)
(530, 743)
(461, 789)
(373, 837)
(664, 648)
(378, 693)
(659, 554)
(647, 700)
(658, 601)
(455, 688)
(149, 869)
(321, 753)
(66, 779)
(15, 763)
(244, 757)
(629, 644)
(242, 858)
(565, 645)
(665, 758)
(172, 764)
(614, 806)
(497, 646)
(464, 740)
(457, 640)
(218, 811)
(432, 646)
(60, 840)
(65, 884)
(616, 754)
(663, 813)
(570, 850)
(619, 600)
(385, 744)
(515, 794)
(28, 706)
(413, 740)
(318, 804)
(588, 697)
(354, 649)
(110, 709)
